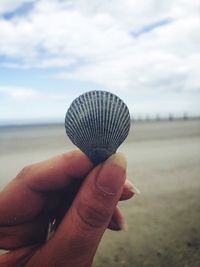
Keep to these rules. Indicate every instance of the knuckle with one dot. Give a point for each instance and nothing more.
(93, 216)
(24, 172)
(64, 157)
(72, 154)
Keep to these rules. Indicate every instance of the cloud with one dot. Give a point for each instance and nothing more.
(24, 103)
(94, 41)
(148, 28)
(55, 62)
(18, 93)
(9, 6)
(25, 93)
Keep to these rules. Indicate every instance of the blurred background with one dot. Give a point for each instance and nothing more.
(148, 53)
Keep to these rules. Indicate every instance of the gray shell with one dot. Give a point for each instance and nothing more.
(97, 122)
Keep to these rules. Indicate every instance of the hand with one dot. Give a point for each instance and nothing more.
(81, 197)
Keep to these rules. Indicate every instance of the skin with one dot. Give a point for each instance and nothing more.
(82, 198)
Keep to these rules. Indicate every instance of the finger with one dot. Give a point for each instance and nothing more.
(83, 226)
(117, 221)
(128, 191)
(18, 257)
(70, 194)
(25, 196)
(72, 190)
(13, 237)
(35, 231)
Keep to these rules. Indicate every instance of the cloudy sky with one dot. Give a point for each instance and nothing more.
(147, 52)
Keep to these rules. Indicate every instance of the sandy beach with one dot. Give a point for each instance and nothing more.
(163, 162)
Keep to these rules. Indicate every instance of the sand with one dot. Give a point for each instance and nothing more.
(163, 162)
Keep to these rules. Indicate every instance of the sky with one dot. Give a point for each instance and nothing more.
(51, 51)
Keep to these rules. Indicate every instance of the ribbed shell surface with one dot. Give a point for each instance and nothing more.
(97, 122)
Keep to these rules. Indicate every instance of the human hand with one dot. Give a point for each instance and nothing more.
(81, 197)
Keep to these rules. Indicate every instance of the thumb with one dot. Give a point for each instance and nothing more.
(77, 237)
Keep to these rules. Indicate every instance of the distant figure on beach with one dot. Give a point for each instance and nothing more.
(55, 212)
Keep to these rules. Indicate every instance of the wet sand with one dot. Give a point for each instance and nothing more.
(163, 162)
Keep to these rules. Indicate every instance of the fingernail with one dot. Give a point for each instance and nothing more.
(122, 224)
(112, 175)
(132, 188)
(118, 159)
(119, 221)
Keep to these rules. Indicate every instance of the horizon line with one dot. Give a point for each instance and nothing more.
(157, 118)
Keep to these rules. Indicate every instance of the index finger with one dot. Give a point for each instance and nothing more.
(24, 198)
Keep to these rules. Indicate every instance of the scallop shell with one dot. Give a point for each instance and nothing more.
(97, 122)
